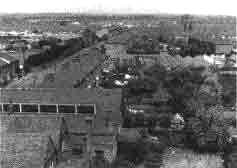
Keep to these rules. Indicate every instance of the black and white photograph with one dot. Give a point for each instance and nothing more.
(118, 84)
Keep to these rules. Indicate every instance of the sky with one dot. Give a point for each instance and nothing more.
(199, 7)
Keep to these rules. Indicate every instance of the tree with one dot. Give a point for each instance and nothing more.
(196, 95)
(182, 86)
(208, 127)
(89, 37)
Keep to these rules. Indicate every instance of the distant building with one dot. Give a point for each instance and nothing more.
(228, 70)
(223, 47)
(218, 60)
(117, 53)
(8, 67)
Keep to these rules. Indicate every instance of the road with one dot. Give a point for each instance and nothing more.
(37, 75)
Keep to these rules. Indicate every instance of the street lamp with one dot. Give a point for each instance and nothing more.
(21, 70)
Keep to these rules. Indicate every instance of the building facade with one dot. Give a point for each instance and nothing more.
(8, 68)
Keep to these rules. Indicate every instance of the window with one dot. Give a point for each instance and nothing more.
(29, 108)
(85, 109)
(48, 108)
(66, 109)
(0, 108)
(7, 108)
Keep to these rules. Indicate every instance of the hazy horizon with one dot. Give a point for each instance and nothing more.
(121, 7)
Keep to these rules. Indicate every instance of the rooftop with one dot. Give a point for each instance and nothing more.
(223, 42)
(105, 100)
(103, 139)
(4, 56)
(223, 48)
(34, 51)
